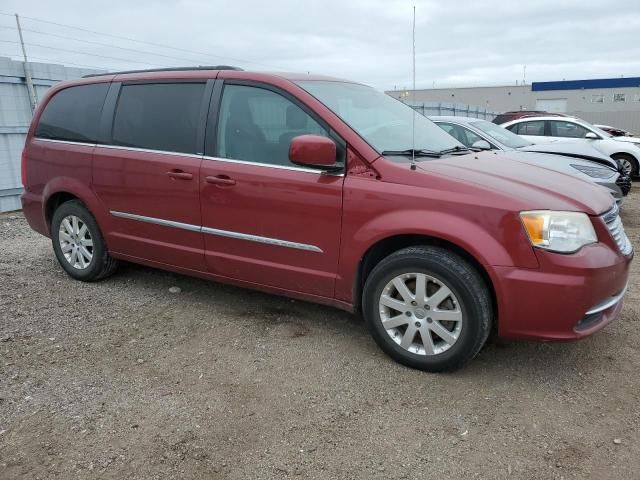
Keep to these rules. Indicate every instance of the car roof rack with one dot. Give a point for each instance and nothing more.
(170, 69)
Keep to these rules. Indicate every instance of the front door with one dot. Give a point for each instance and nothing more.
(567, 132)
(266, 220)
(147, 175)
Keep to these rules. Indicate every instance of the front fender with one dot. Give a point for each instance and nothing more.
(498, 239)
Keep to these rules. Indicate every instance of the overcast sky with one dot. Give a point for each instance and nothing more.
(458, 42)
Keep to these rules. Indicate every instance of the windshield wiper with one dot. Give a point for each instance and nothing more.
(457, 148)
(414, 152)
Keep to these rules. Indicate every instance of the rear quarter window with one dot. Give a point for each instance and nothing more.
(73, 114)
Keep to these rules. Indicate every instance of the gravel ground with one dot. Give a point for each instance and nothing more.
(124, 379)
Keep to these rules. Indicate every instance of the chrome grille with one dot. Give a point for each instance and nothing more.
(616, 229)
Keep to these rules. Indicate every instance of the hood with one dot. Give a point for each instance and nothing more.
(575, 150)
(494, 177)
(560, 163)
(635, 140)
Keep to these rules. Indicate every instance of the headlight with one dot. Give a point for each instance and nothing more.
(563, 232)
(595, 172)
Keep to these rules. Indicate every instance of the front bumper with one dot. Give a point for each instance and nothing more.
(568, 297)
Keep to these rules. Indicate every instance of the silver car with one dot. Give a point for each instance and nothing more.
(577, 160)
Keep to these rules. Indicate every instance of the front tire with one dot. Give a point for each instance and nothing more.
(428, 308)
(78, 243)
(628, 163)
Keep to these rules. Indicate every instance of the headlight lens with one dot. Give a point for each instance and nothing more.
(595, 172)
(563, 232)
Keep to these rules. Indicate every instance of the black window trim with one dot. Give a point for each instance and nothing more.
(105, 135)
(211, 130)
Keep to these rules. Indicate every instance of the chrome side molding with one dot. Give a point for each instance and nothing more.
(257, 239)
(157, 221)
(215, 231)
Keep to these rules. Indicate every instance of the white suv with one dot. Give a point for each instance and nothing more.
(570, 129)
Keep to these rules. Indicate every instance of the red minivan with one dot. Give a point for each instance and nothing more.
(324, 190)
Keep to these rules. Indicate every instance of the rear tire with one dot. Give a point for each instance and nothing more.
(439, 329)
(78, 243)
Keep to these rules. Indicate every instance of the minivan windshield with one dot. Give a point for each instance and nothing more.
(501, 135)
(383, 122)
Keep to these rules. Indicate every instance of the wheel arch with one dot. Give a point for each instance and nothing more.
(634, 160)
(386, 246)
(63, 189)
(53, 202)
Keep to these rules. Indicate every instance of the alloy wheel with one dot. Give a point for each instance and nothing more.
(625, 164)
(420, 313)
(76, 243)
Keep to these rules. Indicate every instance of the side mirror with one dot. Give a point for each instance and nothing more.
(312, 151)
(481, 145)
(591, 136)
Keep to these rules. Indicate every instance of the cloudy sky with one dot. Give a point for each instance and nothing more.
(458, 42)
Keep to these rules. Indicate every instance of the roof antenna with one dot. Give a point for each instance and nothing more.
(413, 97)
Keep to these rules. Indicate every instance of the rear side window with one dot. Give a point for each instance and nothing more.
(535, 128)
(73, 114)
(159, 116)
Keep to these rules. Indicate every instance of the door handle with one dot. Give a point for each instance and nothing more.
(220, 180)
(180, 175)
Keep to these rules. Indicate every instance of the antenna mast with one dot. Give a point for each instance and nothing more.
(413, 96)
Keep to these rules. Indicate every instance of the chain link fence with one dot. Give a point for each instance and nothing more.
(453, 109)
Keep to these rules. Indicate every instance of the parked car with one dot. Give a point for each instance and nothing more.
(570, 129)
(627, 137)
(480, 134)
(514, 115)
(324, 190)
(613, 131)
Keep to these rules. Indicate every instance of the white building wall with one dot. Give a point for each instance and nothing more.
(584, 103)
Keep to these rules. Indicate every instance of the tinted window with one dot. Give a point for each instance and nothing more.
(159, 116)
(500, 134)
(530, 128)
(567, 130)
(463, 135)
(257, 125)
(73, 114)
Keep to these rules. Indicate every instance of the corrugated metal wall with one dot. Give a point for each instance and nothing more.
(15, 116)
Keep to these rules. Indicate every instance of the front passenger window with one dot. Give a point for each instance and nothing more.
(257, 125)
(567, 130)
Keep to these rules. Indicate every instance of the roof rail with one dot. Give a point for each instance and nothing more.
(171, 69)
